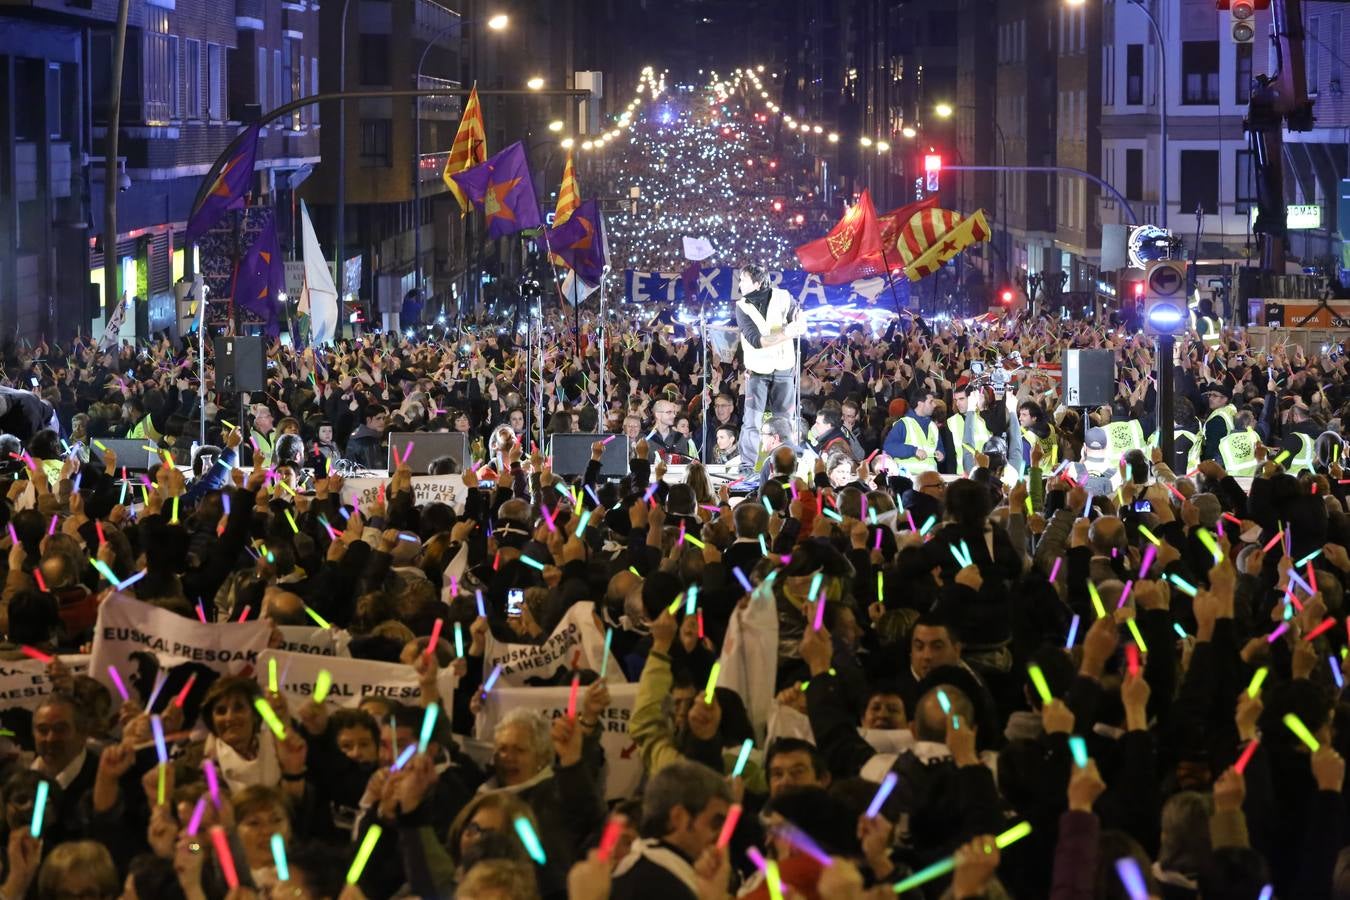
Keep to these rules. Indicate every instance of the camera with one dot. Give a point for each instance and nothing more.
(1142, 506)
(976, 367)
(515, 602)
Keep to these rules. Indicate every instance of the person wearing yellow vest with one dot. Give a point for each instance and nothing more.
(1301, 436)
(1206, 323)
(914, 440)
(967, 426)
(1219, 421)
(1123, 436)
(263, 436)
(1037, 428)
(766, 318)
(1237, 449)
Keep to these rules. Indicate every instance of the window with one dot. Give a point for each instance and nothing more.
(161, 76)
(314, 89)
(1134, 75)
(302, 114)
(1314, 53)
(1243, 88)
(1332, 38)
(1245, 194)
(192, 82)
(1199, 181)
(278, 79)
(1108, 75)
(375, 143)
(375, 59)
(1134, 173)
(215, 77)
(1200, 73)
(57, 120)
(262, 79)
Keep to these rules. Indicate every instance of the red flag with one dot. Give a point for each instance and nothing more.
(890, 223)
(851, 250)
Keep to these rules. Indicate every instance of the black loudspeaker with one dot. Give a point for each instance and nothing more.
(1274, 315)
(1089, 377)
(428, 446)
(240, 364)
(131, 452)
(572, 453)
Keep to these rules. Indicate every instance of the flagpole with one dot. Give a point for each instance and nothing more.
(890, 282)
(562, 298)
(602, 331)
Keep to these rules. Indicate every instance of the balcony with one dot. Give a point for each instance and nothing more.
(430, 17)
(438, 108)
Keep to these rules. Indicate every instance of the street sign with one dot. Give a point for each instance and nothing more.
(1165, 310)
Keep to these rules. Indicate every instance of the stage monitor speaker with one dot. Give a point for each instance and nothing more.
(572, 453)
(131, 452)
(240, 364)
(1089, 377)
(427, 447)
(1274, 315)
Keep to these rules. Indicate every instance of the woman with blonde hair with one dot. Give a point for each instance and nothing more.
(81, 869)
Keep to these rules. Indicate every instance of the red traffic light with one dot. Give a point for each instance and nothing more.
(799, 218)
(1138, 289)
(1006, 295)
(932, 162)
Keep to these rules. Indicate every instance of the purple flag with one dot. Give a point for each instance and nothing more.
(261, 277)
(228, 190)
(580, 242)
(501, 186)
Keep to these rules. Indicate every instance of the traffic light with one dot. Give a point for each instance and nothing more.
(778, 206)
(932, 167)
(1006, 296)
(1242, 17)
(1165, 310)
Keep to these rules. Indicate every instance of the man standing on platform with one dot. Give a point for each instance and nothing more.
(765, 316)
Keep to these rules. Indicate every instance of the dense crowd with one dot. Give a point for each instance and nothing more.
(956, 640)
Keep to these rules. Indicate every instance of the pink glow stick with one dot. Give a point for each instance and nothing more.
(117, 683)
(572, 698)
(435, 636)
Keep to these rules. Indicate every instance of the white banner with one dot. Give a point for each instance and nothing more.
(315, 640)
(576, 633)
(126, 626)
(354, 680)
(24, 682)
(447, 489)
(623, 762)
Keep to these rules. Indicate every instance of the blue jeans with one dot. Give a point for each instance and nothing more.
(771, 394)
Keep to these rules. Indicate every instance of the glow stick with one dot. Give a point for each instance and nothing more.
(1096, 600)
(35, 653)
(363, 854)
(279, 857)
(1073, 632)
(478, 595)
(403, 757)
(1275, 635)
(944, 702)
(729, 826)
(1150, 553)
(1134, 633)
(1150, 536)
(116, 677)
(610, 839)
(801, 841)
(435, 638)
(581, 525)
(743, 757)
(1078, 747)
(1054, 570)
(1132, 659)
(1183, 585)
(883, 793)
(1246, 757)
(195, 823)
(270, 718)
(712, 683)
(1295, 724)
(161, 749)
(225, 858)
(291, 519)
(944, 866)
(525, 831)
(318, 619)
(183, 694)
(691, 600)
(492, 678)
(1307, 559)
(1323, 626)
(322, 683)
(51, 529)
(740, 576)
(572, 698)
(130, 580)
(103, 570)
(604, 660)
(272, 685)
(819, 621)
(39, 808)
(1210, 544)
(212, 781)
(1124, 595)
(1038, 680)
(1132, 878)
(532, 563)
(1258, 678)
(1273, 541)
(13, 535)
(163, 776)
(1336, 672)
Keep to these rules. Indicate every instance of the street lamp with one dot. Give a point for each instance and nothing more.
(499, 21)
(909, 132)
(567, 143)
(944, 110)
(883, 146)
(833, 137)
(865, 141)
(555, 125)
(535, 84)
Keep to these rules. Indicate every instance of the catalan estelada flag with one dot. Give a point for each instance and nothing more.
(469, 149)
(569, 198)
(933, 236)
(228, 190)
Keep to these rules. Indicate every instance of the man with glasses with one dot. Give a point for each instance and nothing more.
(663, 437)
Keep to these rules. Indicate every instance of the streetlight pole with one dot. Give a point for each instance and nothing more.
(339, 232)
(1162, 109)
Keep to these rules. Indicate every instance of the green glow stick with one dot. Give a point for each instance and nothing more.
(428, 726)
(1210, 544)
(318, 619)
(270, 718)
(1258, 678)
(712, 683)
(272, 685)
(944, 866)
(1042, 687)
(322, 684)
(1152, 538)
(1096, 600)
(1134, 633)
(1295, 724)
(363, 855)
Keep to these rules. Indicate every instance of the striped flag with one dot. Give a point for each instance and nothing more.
(469, 149)
(933, 236)
(569, 198)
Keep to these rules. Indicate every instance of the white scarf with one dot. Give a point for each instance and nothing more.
(493, 785)
(239, 773)
(651, 850)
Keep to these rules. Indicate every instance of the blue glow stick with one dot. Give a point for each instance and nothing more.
(1336, 672)
(160, 677)
(1078, 747)
(743, 758)
(525, 831)
(428, 726)
(604, 660)
(279, 857)
(1073, 632)
(740, 576)
(492, 679)
(944, 702)
(161, 748)
(1132, 878)
(883, 792)
(532, 563)
(478, 595)
(459, 641)
(39, 808)
(404, 756)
